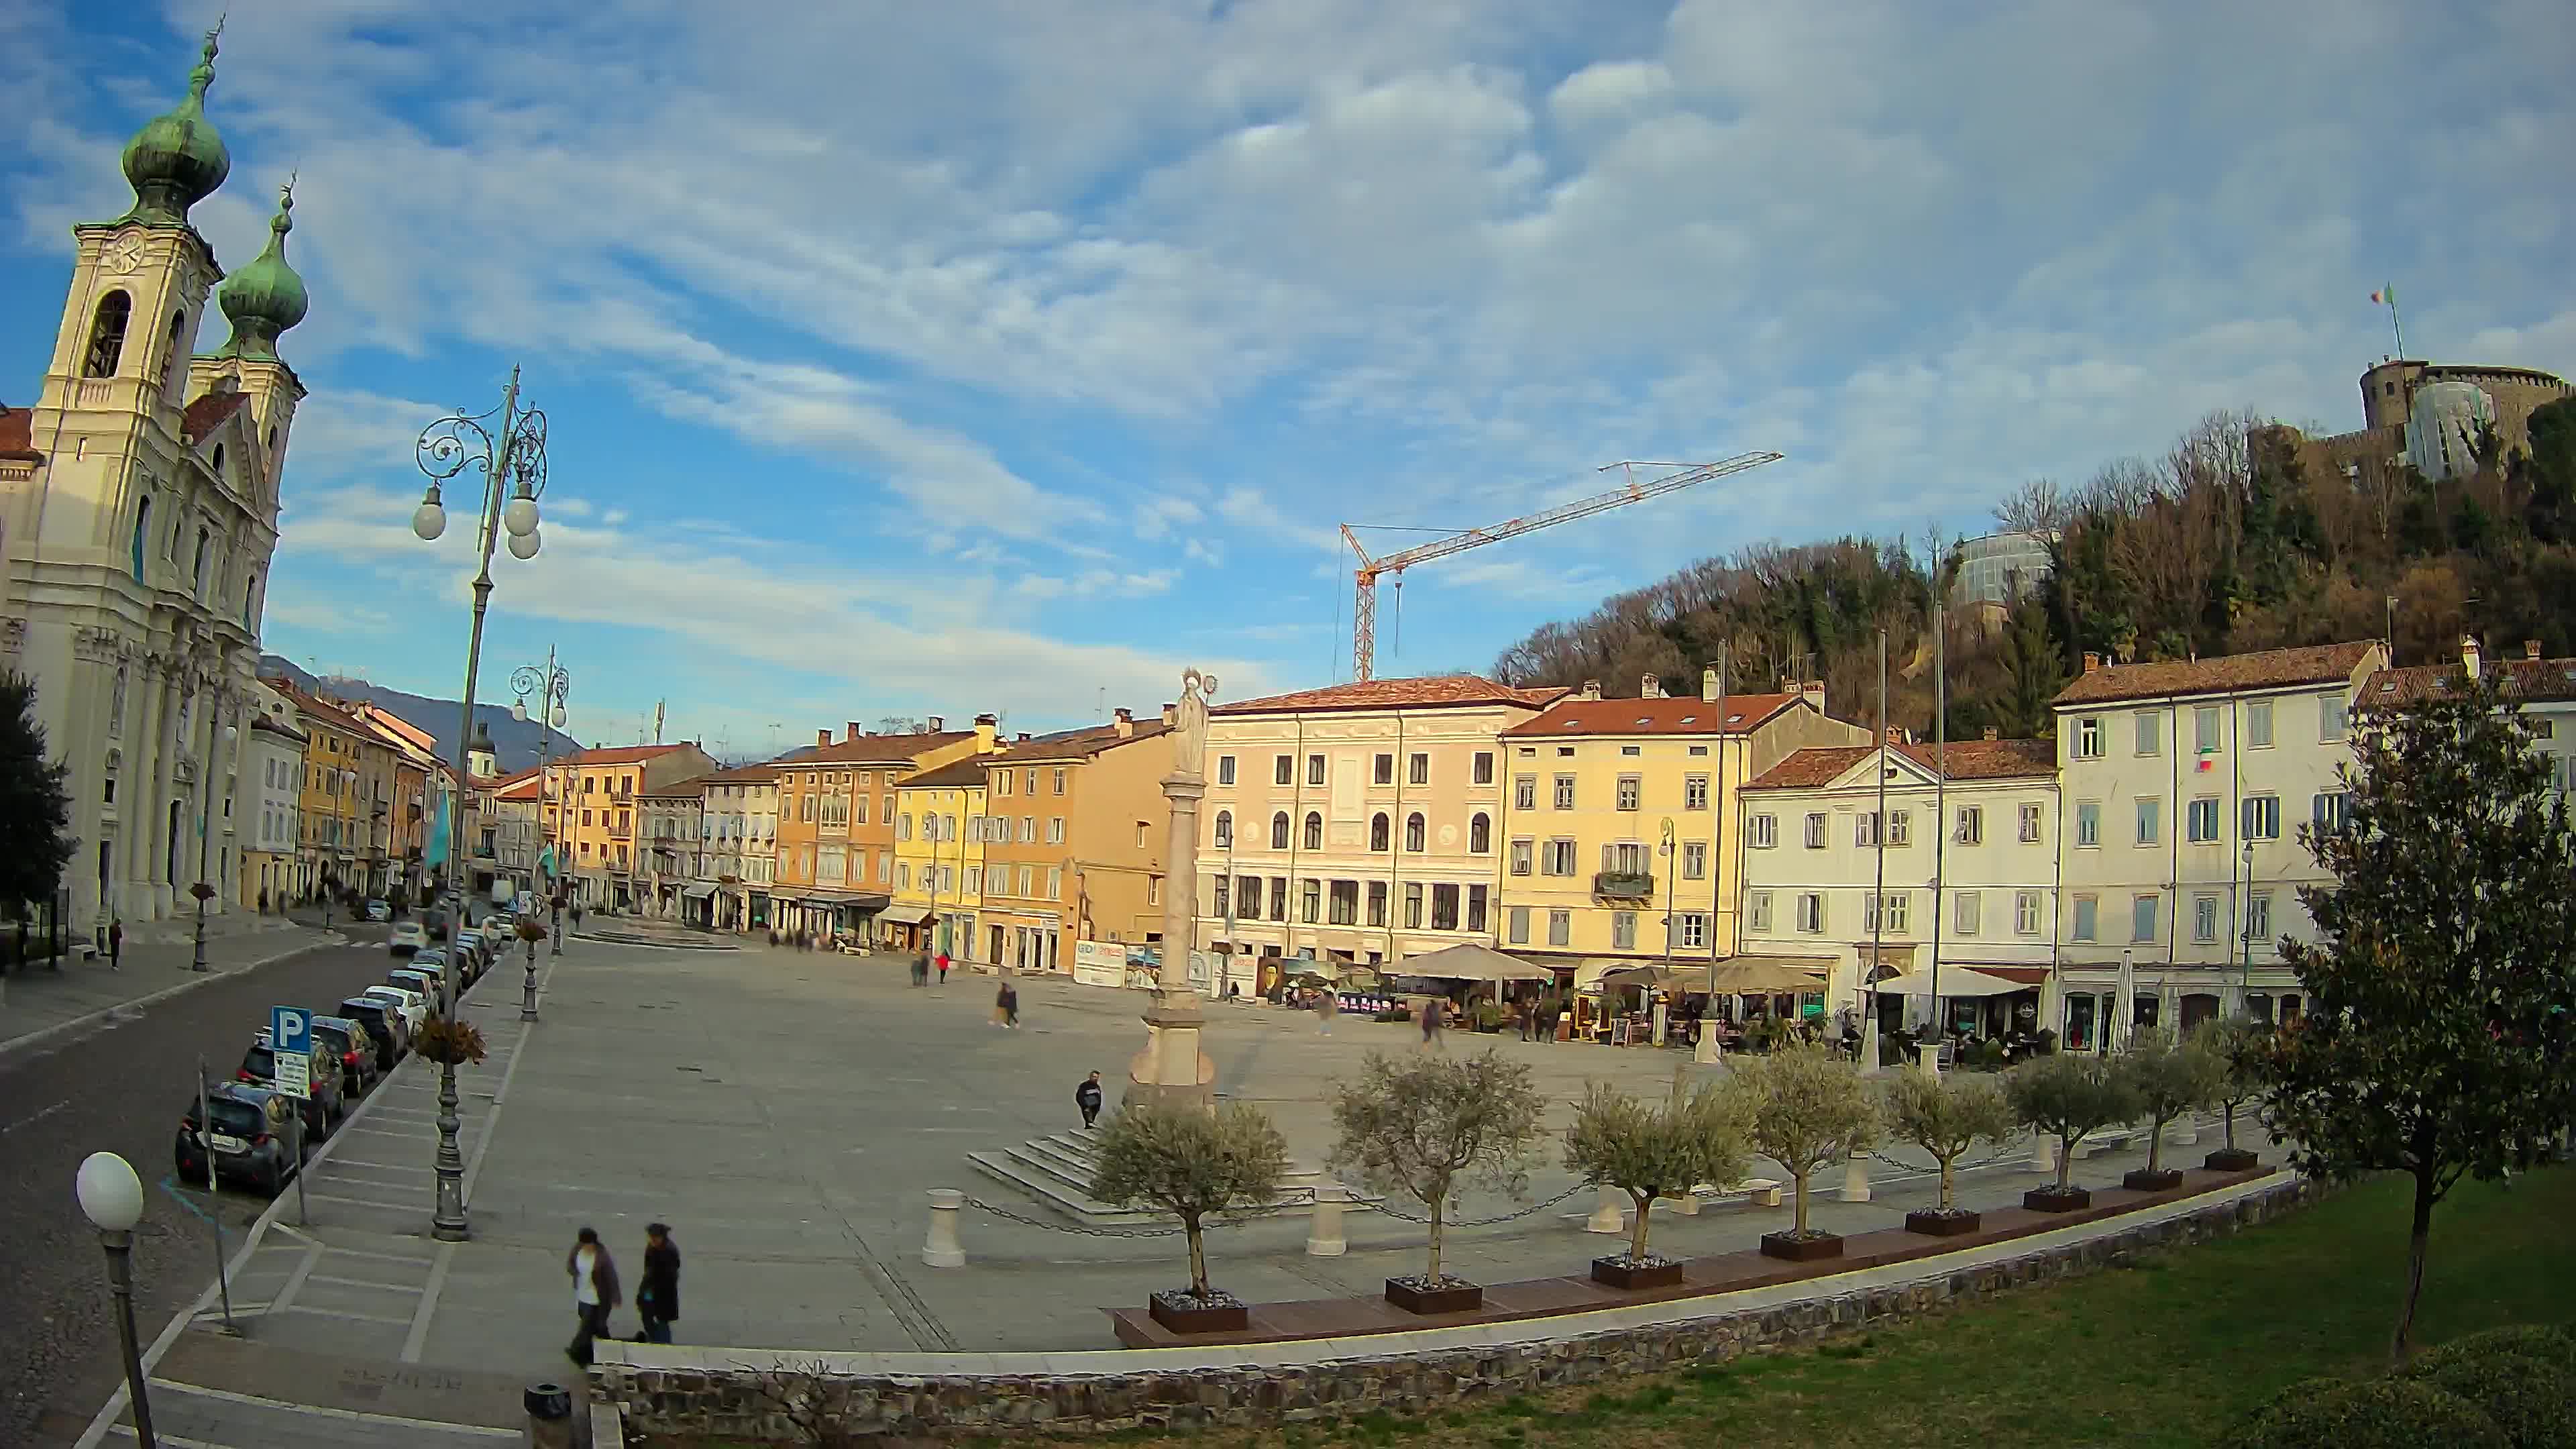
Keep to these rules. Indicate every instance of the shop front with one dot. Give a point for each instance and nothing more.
(903, 928)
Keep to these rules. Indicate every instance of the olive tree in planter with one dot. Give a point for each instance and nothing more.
(1945, 1116)
(1618, 1140)
(2170, 1078)
(1192, 1164)
(2239, 1047)
(2068, 1097)
(1803, 1109)
(1425, 1126)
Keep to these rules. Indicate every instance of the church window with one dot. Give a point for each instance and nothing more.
(219, 460)
(107, 335)
(170, 350)
(197, 574)
(142, 523)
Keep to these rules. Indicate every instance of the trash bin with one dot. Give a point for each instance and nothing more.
(549, 1416)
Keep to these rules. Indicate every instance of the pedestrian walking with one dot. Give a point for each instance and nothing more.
(1431, 1024)
(657, 1295)
(1002, 1005)
(116, 945)
(1010, 1006)
(594, 1292)
(1525, 1014)
(1087, 1097)
(943, 968)
(1326, 1005)
(921, 968)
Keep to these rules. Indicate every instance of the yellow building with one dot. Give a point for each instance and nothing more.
(595, 792)
(331, 816)
(831, 838)
(1073, 842)
(1622, 823)
(939, 857)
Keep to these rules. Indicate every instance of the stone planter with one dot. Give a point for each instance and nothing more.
(2162, 1180)
(2231, 1159)
(1454, 1295)
(1183, 1312)
(1622, 1272)
(1936, 1224)
(1794, 1249)
(2052, 1200)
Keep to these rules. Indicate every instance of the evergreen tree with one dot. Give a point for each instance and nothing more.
(2440, 1039)
(35, 804)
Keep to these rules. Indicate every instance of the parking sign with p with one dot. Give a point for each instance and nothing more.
(290, 1039)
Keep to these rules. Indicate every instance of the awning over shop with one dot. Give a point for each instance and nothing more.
(1767, 975)
(1955, 981)
(1468, 961)
(1653, 978)
(698, 890)
(905, 915)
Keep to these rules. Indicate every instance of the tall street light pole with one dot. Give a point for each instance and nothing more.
(511, 455)
(111, 1197)
(205, 832)
(552, 686)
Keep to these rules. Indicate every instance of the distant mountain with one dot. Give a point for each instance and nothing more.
(515, 742)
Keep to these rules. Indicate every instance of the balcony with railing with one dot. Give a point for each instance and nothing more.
(1624, 885)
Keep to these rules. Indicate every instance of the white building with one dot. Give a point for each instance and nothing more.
(271, 815)
(741, 821)
(1969, 872)
(138, 513)
(673, 854)
(2545, 687)
(2182, 787)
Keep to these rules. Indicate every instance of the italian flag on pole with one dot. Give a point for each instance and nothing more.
(2384, 297)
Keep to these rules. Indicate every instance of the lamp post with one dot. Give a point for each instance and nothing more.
(512, 458)
(205, 810)
(111, 1197)
(552, 686)
(2245, 975)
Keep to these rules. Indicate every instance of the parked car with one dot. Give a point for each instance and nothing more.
(425, 982)
(407, 938)
(245, 1134)
(434, 918)
(413, 1006)
(386, 1026)
(476, 944)
(259, 1069)
(380, 911)
(350, 1044)
(432, 962)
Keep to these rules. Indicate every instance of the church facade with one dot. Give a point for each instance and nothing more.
(138, 516)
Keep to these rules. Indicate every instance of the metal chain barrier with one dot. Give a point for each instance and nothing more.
(1395, 1212)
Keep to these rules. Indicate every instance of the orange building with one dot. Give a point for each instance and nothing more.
(835, 849)
(1075, 827)
(594, 793)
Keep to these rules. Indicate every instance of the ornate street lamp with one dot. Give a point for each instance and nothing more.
(511, 455)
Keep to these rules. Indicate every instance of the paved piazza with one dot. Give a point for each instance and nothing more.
(787, 1112)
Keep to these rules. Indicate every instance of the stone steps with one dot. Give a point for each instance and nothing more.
(1056, 1170)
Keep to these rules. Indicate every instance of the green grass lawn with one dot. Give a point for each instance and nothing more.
(2168, 1352)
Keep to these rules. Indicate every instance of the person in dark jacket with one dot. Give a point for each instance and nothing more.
(1087, 1097)
(657, 1295)
(594, 1292)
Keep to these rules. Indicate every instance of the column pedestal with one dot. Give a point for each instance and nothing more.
(1171, 1069)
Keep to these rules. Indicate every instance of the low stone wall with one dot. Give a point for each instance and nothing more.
(751, 1396)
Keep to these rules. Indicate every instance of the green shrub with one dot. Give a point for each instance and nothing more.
(2379, 1414)
(2531, 1399)
(2546, 1342)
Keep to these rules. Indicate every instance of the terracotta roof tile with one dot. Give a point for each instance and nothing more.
(1968, 759)
(18, 434)
(873, 749)
(2267, 669)
(2543, 679)
(763, 773)
(1671, 716)
(956, 773)
(621, 754)
(208, 413)
(1079, 744)
(1427, 692)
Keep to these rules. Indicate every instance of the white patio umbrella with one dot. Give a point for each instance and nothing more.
(2124, 1012)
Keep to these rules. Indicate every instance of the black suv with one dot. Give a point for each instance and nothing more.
(383, 1023)
(349, 1044)
(323, 1108)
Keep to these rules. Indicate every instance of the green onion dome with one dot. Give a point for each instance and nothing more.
(177, 159)
(265, 297)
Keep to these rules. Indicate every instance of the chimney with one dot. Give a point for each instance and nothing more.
(1591, 689)
(1124, 722)
(1896, 734)
(2469, 655)
(1814, 691)
(2531, 649)
(1650, 687)
(1171, 715)
(1708, 685)
(851, 731)
(822, 737)
(988, 729)
(938, 724)
(1993, 733)
(2092, 662)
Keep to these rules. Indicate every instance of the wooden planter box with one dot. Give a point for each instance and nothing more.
(1181, 1313)
(1801, 1250)
(2231, 1159)
(1616, 1273)
(1942, 1225)
(2162, 1179)
(1452, 1298)
(2050, 1200)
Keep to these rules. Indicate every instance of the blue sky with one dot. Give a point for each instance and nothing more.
(942, 358)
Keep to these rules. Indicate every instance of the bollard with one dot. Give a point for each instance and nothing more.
(1929, 1057)
(1855, 1178)
(549, 1409)
(1686, 1203)
(1610, 1216)
(1708, 1051)
(1324, 1231)
(2184, 1133)
(2043, 1155)
(941, 1249)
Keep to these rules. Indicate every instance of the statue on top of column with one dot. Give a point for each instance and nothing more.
(1190, 723)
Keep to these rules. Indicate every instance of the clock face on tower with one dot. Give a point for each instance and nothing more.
(124, 256)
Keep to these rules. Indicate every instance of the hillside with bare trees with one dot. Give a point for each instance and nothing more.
(2225, 543)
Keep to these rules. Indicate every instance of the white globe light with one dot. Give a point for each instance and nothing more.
(560, 716)
(520, 517)
(519, 711)
(111, 1196)
(524, 545)
(428, 521)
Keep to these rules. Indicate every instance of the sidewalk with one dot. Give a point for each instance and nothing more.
(40, 1003)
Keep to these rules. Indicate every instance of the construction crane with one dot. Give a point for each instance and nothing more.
(1364, 609)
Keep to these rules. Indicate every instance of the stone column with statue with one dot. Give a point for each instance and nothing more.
(1172, 1068)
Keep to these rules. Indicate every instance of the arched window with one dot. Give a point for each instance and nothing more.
(250, 608)
(1314, 830)
(1378, 831)
(1480, 834)
(107, 335)
(1225, 830)
(1413, 831)
(170, 350)
(197, 572)
(142, 525)
(1279, 831)
(219, 460)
